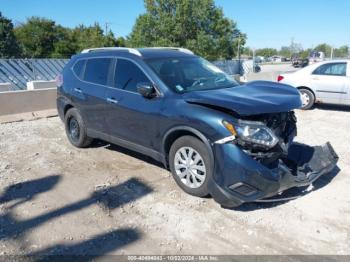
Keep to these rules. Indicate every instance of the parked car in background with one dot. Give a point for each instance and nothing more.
(316, 56)
(277, 59)
(218, 138)
(324, 82)
(297, 61)
(259, 59)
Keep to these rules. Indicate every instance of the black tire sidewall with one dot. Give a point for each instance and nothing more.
(311, 96)
(83, 140)
(200, 147)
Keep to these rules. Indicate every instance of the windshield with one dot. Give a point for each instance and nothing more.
(187, 74)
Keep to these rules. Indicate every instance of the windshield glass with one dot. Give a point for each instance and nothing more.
(187, 74)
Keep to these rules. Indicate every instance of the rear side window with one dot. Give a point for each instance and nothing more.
(128, 75)
(97, 70)
(332, 69)
(78, 68)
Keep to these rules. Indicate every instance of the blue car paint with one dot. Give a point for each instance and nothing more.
(254, 98)
(145, 125)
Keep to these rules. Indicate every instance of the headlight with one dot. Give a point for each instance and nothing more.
(252, 132)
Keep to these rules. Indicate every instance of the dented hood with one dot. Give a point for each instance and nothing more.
(253, 98)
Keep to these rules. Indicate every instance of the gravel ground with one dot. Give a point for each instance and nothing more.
(56, 199)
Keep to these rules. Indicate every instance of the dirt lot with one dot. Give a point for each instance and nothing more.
(57, 199)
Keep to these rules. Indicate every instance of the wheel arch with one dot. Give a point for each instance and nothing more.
(176, 132)
(307, 88)
(66, 108)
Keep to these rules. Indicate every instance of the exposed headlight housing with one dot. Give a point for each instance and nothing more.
(252, 132)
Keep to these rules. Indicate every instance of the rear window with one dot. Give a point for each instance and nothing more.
(97, 70)
(333, 69)
(78, 68)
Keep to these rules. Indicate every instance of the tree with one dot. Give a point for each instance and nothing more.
(295, 48)
(36, 37)
(121, 41)
(65, 45)
(305, 53)
(266, 52)
(195, 24)
(285, 51)
(247, 51)
(8, 44)
(325, 48)
(92, 36)
(341, 52)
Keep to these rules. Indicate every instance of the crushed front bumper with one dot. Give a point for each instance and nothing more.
(238, 178)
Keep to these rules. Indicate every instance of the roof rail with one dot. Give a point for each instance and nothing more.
(181, 49)
(130, 50)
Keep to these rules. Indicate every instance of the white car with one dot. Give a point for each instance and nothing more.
(323, 82)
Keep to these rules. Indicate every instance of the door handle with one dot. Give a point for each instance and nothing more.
(315, 78)
(112, 100)
(78, 90)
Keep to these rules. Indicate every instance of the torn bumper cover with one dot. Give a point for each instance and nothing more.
(239, 178)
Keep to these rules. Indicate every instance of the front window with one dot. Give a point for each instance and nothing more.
(128, 75)
(187, 74)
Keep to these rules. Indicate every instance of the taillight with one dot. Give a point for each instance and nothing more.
(59, 80)
(280, 78)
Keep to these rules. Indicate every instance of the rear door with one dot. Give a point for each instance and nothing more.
(130, 116)
(329, 81)
(347, 96)
(89, 94)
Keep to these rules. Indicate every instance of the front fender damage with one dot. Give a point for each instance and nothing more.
(301, 166)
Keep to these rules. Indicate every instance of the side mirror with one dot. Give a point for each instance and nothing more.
(146, 89)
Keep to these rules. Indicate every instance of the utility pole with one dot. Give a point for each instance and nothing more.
(332, 49)
(239, 45)
(238, 35)
(106, 27)
(253, 60)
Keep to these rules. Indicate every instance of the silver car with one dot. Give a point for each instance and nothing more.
(323, 82)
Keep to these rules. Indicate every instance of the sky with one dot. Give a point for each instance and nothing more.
(268, 23)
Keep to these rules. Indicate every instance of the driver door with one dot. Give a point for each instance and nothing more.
(132, 117)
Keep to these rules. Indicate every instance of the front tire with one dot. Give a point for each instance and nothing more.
(307, 98)
(76, 129)
(190, 165)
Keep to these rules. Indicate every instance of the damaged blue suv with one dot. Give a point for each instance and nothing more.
(233, 142)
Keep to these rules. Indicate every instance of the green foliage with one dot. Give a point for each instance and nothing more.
(305, 53)
(89, 37)
(8, 44)
(266, 52)
(42, 38)
(341, 52)
(325, 48)
(247, 51)
(65, 44)
(195, 24)
(121, 41)
(285, 51)
(37, 37)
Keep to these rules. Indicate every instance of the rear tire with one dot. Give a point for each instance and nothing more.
(307, 98)
(190, 165)
(76, 129)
